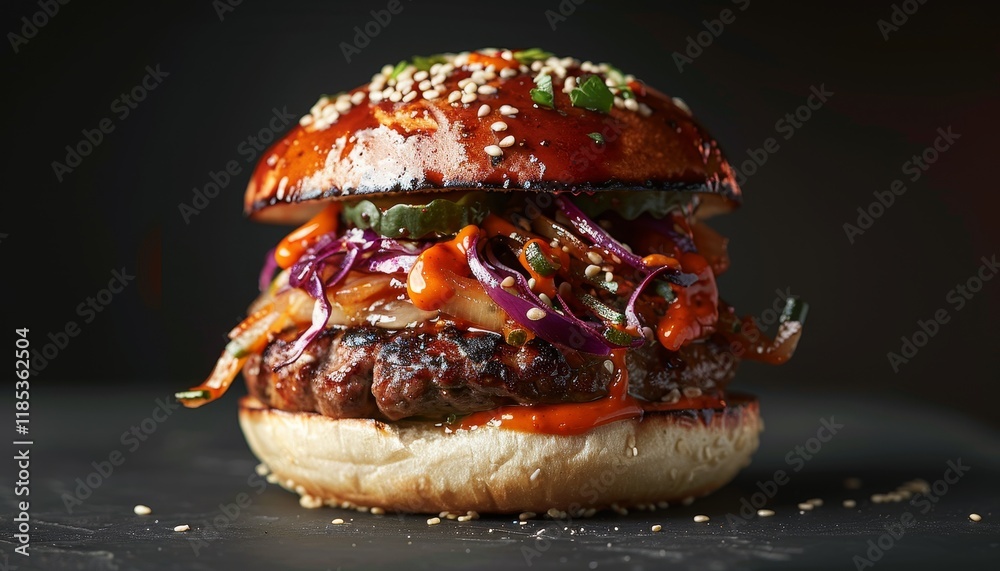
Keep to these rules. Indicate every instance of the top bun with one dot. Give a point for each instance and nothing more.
(469, 121)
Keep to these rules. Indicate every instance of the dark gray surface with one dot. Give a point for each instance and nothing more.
(196, 461)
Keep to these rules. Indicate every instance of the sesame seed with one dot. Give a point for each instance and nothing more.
(609, 277)
(765, 513)
(534, 475)
(507, 141)
(357, 97)
(306, 120)
(545, 299)
(507, 282)
(975, 517)
(609, 366)
(464, 518)
(424, 85)
(378, 511)
(420, 76)
(816, 502)
(184, 527)
(470, 87)
(338, 521)
(645, 110)
(469, 97)
(343, 105)
(433, 521)
(619, 102)
(508, 110)
(691, 392)
(594, 258)
(508, 72)
(657, 527)
(631, 104)
(493, 151)
(484, 110)
(142, 510)
(805, 506)
(395, 96)
(532, 283)
(409, 97)
(526, 516)
(592, 271)
(431, 95)
(498, 125)
(850, 503)
(700, 518)
(486, 90)
(454, 96)
(553, 513)
(535, 314)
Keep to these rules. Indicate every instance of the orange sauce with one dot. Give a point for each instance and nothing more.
(696, 308)
(427, 283)
(568, 418)
(493, 225)
(290, 249)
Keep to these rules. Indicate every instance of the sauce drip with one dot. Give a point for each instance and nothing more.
(290, 249)
(568, 418)
(695, 311)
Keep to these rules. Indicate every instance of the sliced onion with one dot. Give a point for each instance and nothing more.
(471, 303)
(267, 271)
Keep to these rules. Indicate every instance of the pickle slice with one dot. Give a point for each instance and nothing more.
(439, 217)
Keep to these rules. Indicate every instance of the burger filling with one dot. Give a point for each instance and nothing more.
(479, 307)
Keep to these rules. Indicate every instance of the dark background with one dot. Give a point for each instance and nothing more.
(60, 241)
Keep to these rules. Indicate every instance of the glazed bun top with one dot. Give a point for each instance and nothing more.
(490, 119)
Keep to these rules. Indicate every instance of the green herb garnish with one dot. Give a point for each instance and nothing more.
(534, 54)
(593, 95)
(597, 137)
(398, 69)
(543, 94)
(424, 63)
(615, 75)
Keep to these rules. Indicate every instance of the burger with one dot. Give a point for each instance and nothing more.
(500, 296)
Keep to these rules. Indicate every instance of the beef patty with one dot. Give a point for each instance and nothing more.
(366, 372)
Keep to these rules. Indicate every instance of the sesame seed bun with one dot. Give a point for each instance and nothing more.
(471, 123)
(418, 467)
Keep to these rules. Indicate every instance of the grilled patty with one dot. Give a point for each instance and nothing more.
(366, 372)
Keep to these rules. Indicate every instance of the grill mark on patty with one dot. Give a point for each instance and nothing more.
(366, 372)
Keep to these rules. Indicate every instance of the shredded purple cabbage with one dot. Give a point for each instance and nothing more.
(345, 253)
(267, 272)
(553, 327)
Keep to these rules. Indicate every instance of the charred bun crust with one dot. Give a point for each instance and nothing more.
(418, 467)
(413, 130)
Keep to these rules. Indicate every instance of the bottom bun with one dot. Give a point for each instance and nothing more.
(418, 467)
